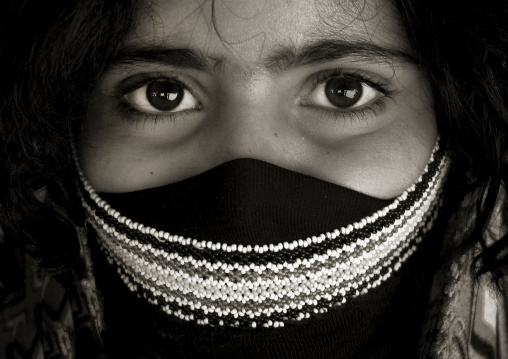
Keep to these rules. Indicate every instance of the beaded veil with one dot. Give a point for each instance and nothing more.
(214, 283)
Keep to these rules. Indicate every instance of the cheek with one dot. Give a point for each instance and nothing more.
(382, 164)
(386, 163)
(118, 153)
(387, 159)
(400, 152)
(111, 153)
(413, 136)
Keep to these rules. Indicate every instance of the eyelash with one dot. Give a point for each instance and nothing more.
(127, 86)
(356, 114)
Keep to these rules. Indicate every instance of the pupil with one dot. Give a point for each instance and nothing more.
(343, 92)
(164, 95)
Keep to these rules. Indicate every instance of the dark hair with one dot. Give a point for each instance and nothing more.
(52, 62)
(461, 45)
(51, 54)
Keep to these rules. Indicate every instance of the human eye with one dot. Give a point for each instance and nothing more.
(156, 96)
(346, 93)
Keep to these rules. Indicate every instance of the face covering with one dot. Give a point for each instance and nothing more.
(249, 244)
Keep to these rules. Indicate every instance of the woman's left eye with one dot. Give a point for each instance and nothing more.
(342, 93)
(162, 96)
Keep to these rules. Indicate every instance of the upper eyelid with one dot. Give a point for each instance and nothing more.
(140, 80)
(380, 85)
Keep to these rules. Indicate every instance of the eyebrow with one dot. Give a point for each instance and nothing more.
(183, 58)
(331, 50)
(280, 59)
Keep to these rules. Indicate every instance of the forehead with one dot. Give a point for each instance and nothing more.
(246, 31)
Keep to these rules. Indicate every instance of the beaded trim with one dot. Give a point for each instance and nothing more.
(269, 285)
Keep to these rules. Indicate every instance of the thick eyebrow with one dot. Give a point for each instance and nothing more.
(280, 59)
(182, 58)
(331, 50)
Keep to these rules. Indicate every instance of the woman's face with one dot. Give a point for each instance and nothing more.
(326, 88)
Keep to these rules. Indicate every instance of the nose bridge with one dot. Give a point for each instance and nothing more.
(250, 114)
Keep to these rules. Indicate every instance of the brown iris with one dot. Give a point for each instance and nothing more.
(343, 92)
(164, 95)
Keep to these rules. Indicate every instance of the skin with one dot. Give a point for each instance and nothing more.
(247, 102)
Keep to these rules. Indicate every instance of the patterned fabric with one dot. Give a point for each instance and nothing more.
(465, 319)
(63, 318)
(56, 315)
(19, 334)
(244, 286)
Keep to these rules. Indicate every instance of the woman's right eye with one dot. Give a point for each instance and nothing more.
(161, 96)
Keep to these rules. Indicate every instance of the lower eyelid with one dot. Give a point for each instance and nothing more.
(131, 115)
(360, 115)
